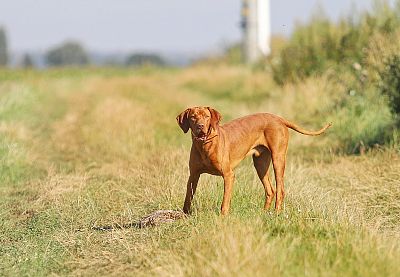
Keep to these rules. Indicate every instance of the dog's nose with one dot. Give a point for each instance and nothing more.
(200, 126)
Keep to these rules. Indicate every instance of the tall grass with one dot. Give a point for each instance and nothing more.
(98, 148)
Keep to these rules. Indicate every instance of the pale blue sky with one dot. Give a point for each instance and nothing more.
(191, 26)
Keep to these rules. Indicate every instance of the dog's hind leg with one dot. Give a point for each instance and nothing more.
(262, 163)
(277, 141)
(279, 162)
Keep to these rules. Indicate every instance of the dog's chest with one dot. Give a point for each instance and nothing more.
(209, 160)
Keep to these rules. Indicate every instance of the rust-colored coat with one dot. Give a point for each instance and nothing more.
(217, 150)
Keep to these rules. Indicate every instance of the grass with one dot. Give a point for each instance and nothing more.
(101, 146)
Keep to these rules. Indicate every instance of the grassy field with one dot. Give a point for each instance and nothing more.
(89, 147)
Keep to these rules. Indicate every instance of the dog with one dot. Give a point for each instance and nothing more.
(217, 150)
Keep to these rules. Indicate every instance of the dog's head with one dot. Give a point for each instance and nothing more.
(200, 120)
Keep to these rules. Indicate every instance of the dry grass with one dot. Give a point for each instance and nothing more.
(102, 149)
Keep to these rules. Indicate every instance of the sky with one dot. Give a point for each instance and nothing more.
(190, 26)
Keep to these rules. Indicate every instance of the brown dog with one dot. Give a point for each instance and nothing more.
(217, 150)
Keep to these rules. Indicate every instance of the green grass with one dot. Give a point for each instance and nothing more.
(101, 146)
(365, 121)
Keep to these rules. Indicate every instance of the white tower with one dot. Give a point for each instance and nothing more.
(256, 29)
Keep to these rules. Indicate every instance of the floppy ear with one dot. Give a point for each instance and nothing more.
(215, 118)
(183, 120)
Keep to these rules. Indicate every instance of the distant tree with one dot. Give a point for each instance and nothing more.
(68, 53)
(140, 59)
(3, 48)
(27, 61)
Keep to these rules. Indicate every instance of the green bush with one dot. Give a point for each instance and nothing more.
(307, 52)
(362, 121)
(390, 84)
(321, 44)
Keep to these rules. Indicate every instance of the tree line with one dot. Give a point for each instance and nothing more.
(72, 53)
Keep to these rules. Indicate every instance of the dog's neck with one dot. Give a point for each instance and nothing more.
(210, 138)
(208, 150)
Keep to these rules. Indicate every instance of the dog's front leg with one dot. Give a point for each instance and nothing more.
(229, 177)
(190, 191)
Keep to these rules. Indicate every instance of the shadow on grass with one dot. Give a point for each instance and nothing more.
(151, 220)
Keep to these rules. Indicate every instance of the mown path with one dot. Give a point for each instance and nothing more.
(88, 148)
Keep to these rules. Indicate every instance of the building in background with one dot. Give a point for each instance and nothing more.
(256, 27)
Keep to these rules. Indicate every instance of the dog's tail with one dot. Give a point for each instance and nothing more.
(305, 132)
